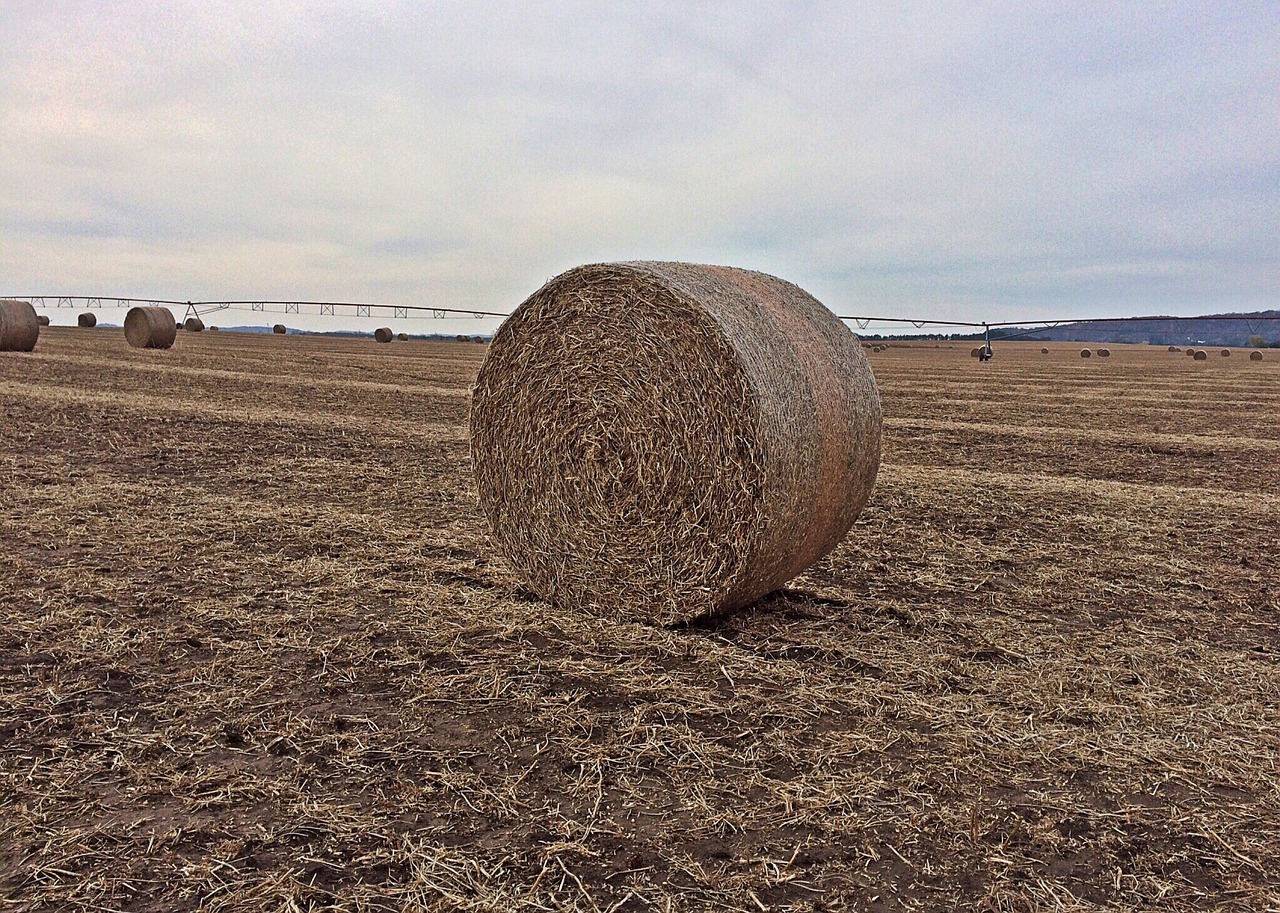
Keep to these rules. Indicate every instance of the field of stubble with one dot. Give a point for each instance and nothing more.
(256, 653)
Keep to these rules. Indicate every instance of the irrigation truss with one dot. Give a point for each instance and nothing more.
(424, 312)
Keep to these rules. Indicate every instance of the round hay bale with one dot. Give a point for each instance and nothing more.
(150, 328)
(1255, 356)
(975, 353)
(1044, 350)
(1201, 355)
(279, 329)
(671, 440)
(19, 326)
(403, 337)
(1191, 352)
(1085, 353)
(1226, 353)
(87, 320)
(383, 334)
(1104, 353)
(193, 325)
(213, 329)
(1174, 349)
(43, 320)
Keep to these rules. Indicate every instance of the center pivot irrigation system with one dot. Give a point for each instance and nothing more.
(201, 309)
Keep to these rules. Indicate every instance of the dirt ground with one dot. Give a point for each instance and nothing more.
(256, 652)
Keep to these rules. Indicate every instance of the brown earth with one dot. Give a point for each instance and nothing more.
(256, 652)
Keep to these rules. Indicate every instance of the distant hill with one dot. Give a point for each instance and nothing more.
(1210, 330)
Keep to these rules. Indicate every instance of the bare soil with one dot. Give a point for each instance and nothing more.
(257, 653)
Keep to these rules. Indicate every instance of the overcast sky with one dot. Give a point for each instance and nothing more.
(968, 160)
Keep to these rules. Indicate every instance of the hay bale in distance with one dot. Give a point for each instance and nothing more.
(1044, 350)
(1255, 356)
(1104, 353)
(19, 326)
(975, 353)
(1174, 349)
(1226, 353)
(213, 329)
(279, 329)
(1085, 353)
(193, 325)
(43, 320)
(1201, 355)
(150, 328)
(383, 334)
(87, 320)
(670, 439)
(403, 337)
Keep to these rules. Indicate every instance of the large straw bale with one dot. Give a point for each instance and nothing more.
(19, 326)
(670, 440)
(1226, 353)
(193, 325)
(1086, 353)
(279, 329)
(975, 352)
(403, 337)
(1201, 355)
(1174, 349)
(87, 320)
(150, 328)
(383, 334)
(1044, 350)
(43, 320)
(1255, 356)
(1104, 353)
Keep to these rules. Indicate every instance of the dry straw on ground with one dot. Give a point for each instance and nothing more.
(1085, 353)
(279, 329)
(670, 440)
(87, 320)
(150, 328)
(1255, 356)
(19, 326)
(383, 334)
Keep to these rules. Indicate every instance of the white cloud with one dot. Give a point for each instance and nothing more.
(992, 160)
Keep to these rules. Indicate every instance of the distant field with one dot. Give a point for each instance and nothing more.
(257, 654)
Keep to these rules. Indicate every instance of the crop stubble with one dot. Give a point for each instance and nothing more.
(255, 649)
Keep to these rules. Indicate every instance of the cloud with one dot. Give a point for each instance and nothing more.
(988, 161)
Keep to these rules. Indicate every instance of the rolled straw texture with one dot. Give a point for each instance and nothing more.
(1104, 353)
(383, 334)
(1255, 356)
(1201, 355)
(1085, 353)
(670, 440)
(43, 320)
(19, 326)
(279, 329)
(150, 328)
(87, 320)
(193, 325)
